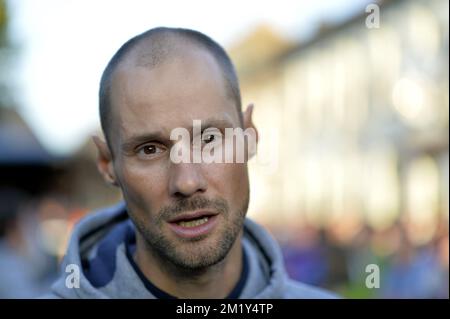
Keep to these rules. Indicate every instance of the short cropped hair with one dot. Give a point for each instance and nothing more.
(159, 42)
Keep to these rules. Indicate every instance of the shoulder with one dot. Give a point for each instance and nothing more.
(298, 290)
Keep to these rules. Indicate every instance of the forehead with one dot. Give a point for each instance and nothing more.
(172, 94)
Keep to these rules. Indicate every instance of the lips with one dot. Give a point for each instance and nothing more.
(192, 225)
(191, 216)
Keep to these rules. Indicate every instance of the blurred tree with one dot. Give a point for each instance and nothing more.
(3, 22)
(5, 97)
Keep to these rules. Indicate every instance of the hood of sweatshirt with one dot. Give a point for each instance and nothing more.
(97, 263)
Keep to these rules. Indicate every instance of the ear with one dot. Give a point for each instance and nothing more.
(248, 125)
(104, 161)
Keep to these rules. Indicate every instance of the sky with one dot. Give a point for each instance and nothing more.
(65, 45)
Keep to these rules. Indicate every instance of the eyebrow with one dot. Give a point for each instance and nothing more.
(217, 123)
(139, 139)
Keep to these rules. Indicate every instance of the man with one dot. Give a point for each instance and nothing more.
(181, 231)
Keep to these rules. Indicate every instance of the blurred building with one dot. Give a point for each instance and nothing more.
(83, 181)
(24, 163)
(353, 122)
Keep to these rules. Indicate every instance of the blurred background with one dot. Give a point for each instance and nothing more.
(353, 163)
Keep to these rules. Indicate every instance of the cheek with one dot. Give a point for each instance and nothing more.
(230, 181)
(142, 186)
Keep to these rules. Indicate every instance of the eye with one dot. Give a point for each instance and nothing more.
(149, 150)
(211, 135)
(208, 138)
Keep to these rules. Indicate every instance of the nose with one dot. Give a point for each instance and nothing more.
(186, 179)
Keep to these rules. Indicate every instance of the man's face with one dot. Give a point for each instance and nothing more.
(211, 199)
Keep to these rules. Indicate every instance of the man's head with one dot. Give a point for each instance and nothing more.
(159, 81)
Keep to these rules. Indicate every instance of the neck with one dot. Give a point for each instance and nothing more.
(216, 281)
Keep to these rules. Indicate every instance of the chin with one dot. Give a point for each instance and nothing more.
(200, 254)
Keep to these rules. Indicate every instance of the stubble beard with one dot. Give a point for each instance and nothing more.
(198, 254)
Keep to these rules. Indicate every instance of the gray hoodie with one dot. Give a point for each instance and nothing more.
(97, 263)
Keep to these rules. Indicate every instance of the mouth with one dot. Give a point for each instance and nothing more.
(193, 225)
